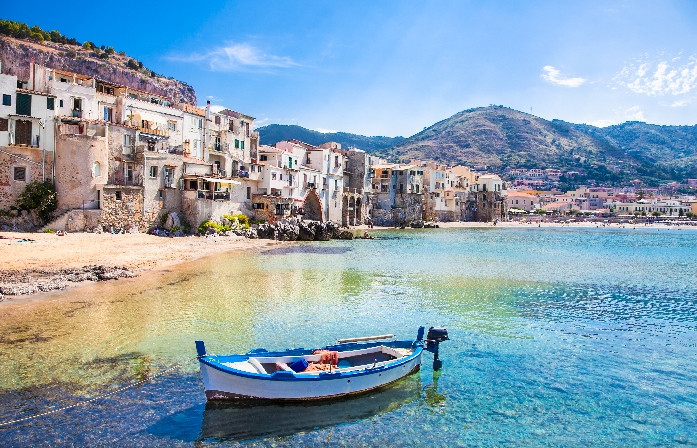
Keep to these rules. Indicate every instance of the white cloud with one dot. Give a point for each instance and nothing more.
(602, 123)
(237, 57)
(680, 103)
(660, 77)
(555, 77)
(635, 113)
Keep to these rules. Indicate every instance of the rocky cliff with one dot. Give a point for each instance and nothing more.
(17, 54)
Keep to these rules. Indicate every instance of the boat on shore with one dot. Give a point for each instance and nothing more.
(350, 366)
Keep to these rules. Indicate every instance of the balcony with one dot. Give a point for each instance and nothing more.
(310, 185)
(77, 113)
(214, 195)
(122, 179)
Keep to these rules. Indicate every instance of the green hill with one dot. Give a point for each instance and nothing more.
(274, 133)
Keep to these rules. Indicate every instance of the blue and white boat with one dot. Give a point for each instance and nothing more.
(350, 366)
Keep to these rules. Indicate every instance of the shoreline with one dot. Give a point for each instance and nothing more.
(38, 264)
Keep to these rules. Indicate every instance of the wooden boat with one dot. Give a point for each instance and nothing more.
(350, 366)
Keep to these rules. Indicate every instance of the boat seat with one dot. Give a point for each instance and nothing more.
(284, 366)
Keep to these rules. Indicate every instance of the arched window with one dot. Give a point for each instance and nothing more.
(97, 170)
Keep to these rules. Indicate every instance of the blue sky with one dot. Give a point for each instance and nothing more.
(395, 67)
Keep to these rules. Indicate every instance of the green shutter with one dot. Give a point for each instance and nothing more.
(50, 103)
(23, 104)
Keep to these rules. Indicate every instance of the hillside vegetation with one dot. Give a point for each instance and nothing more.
(274, 133)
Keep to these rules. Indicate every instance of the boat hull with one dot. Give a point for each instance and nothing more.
(222, 384)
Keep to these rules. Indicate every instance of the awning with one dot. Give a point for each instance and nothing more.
(222, 181)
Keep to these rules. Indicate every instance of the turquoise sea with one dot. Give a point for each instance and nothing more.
(559, 337)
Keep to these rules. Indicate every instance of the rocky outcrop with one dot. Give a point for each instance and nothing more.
(25, 282)
(16, 56)
(292, 230)
(306, 232)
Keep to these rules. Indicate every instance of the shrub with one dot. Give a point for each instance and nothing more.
(163, 218)
(39, 197)
(132, 64)
(205, 225)
(241, 220)
(175, 229)
(49, 231)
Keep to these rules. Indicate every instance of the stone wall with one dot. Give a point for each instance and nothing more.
(10, 189)
(264, 207)
(400, 215)
(125, 214)
(485, 206)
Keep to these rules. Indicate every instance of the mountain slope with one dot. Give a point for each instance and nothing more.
(274, 133)
(501, 137)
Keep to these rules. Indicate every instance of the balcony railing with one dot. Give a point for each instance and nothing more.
(134, 180)
(77, 113)
(214, 195)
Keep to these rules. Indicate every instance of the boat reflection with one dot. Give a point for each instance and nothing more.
(250, 420)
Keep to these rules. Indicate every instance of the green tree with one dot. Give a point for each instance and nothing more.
(40, 198)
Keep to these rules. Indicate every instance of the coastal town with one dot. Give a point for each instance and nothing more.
(124, 160)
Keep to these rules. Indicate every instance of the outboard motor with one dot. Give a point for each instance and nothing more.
(434, 337)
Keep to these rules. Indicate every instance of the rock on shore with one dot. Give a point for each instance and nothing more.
(29, 281)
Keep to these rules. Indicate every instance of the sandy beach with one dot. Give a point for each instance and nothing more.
(40, 262)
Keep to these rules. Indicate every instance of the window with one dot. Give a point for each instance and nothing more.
(108, 114)
(336, 184)
(23, 104)
(242, 144)
(258, 206)
(77, 103)
(217, 119)
(60, 103)
(117, 195)
(50, 103)
(273, 176)
(127, 140)
(153, 172)
(96, 170)
(20, 173)
(264, 158)
(336, 161)
(249, 192)
(290, 162)
(237, 144)
(200, 123)
(4, 124)
(6, 100)
(172, 125)
(160, 194)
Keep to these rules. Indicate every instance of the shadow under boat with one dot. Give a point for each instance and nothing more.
(244, 420)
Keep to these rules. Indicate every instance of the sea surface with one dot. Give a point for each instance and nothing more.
(559, 337)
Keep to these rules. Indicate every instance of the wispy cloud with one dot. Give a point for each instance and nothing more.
(635, 113)
(602, 123)
(680, 103)
(236, 57)
(554, 76)
(660, 77)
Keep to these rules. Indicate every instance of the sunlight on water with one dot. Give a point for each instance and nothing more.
(571, 337)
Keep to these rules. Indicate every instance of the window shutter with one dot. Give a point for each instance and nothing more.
(23, 104)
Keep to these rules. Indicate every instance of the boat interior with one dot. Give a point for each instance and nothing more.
(343, 361)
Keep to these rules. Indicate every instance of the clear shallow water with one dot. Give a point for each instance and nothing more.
(562, 337)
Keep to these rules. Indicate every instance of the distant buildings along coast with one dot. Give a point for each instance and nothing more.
(121, 158)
